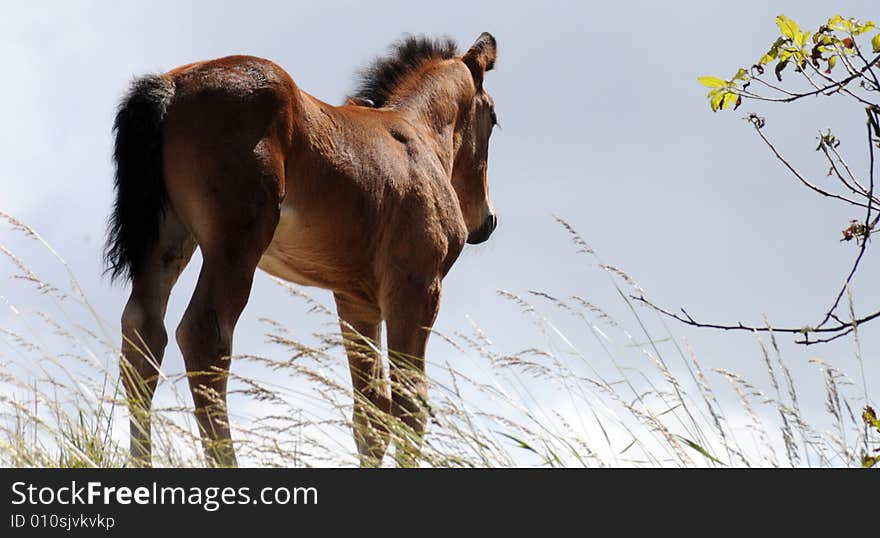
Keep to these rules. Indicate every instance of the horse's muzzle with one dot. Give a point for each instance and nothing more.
(482, 233)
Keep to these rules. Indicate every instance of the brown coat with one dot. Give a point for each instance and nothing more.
(373, 200)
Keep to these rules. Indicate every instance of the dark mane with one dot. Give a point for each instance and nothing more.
(377, 82)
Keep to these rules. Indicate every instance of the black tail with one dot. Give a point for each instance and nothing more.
(140, 187)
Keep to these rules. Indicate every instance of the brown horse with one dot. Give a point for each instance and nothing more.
(373, 200)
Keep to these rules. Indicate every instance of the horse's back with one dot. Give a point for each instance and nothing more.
(233, 76)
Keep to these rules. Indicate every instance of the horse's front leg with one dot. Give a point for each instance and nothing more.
(361, 331)
(411, 313)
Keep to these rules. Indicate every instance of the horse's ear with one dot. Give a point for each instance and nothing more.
(481, 56)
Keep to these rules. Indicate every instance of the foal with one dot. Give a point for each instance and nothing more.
(373, 200)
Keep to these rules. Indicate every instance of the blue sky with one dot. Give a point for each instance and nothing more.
(603, 124)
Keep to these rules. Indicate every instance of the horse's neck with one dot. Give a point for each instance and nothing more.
(434, 107)
(322, 132)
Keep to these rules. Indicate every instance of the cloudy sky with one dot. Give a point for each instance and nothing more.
(603, 124)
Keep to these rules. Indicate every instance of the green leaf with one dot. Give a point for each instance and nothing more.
(520, 443)
(837, 23)
(742, 74)
(699, 449)
(712, 82)
(870, 461)
(826, 40)
(715, 101)
(832, 61)
(870, 417)
(862, 28)
(789, 28)
(875, 42)
(805, 38)
(729, 100)
(773, 52)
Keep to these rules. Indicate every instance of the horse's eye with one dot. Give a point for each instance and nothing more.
(493, 117)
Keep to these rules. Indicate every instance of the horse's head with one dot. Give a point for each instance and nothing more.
(476, 121)
(444, 89)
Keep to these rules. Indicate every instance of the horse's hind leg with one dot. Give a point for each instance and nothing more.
(205, 336)
(361, 331)
(242, 220)
(143, 327)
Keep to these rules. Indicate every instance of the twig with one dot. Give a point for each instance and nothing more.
(807, 342)
(800, 177)
(773, 86)
(842, 88)
(687, 319)
(833, 86)
(847, 168)
(868, 66)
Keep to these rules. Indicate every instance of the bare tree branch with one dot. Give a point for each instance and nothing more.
(831, 326)
(825, 90)
(797, 174)
(834, 330)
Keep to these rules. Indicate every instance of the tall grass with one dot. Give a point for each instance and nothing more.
(593, 391)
